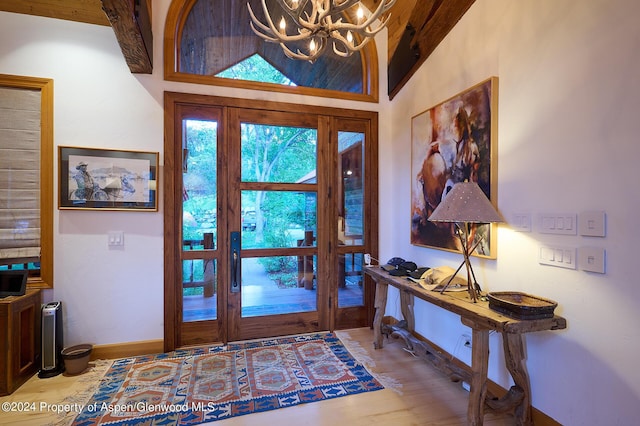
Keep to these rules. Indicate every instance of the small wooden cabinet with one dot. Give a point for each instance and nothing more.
(19, 339)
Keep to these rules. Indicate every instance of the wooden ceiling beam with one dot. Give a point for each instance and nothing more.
(87, 11)
(429, 24)
(400, 13)
(131, 22)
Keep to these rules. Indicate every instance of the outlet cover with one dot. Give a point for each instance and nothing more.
(592, 224)
(591, 259)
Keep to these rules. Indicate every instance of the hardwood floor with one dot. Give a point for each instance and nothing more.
(415, 394)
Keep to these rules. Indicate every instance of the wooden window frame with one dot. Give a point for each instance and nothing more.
(176, 18)
(45, 86)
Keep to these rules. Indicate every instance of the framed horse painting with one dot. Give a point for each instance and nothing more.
(454, 141)
(107, 179)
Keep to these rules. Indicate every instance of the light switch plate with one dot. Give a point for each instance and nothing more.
(521, 222)
(115, 239)
(563, 257)
(558, 223)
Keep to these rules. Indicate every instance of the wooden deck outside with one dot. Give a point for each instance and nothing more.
(262, 296)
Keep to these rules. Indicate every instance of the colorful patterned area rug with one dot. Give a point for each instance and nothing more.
(200, 385)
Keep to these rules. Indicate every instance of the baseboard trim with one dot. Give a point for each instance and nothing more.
(539, 418)
(128, 349)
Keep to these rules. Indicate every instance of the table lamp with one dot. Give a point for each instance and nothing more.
(465, 205)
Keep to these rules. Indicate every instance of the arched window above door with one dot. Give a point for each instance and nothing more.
(204, 39)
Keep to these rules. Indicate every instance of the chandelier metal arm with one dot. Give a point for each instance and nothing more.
(383, 7)
(365, 27)
(365, 31)
(293, 12)
(270, 32)
(348, 48)
(303, 56)
(320, 25)
(321, 10)
(329, 10)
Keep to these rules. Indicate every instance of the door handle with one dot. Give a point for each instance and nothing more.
(236, 264)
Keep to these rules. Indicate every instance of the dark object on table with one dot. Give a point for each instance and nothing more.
(417, 274)
(403, 269)
(521, 305)
(393, 263)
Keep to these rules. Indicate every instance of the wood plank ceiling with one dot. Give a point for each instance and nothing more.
(415, 29)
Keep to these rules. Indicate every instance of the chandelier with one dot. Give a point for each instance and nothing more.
(317, 21)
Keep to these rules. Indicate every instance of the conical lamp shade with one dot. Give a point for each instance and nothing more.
(466, 203)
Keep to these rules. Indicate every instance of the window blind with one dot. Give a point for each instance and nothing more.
(20, 123)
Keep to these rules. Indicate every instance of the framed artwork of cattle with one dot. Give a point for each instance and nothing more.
(107, 179)
(454, 141)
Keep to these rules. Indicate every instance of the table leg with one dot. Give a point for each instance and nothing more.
(516, 364)
(406, 308)
(380, 305)
(479, 367)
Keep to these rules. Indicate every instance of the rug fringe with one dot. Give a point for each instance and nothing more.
(362, 356)
(87, 384)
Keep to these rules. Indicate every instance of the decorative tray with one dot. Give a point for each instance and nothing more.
(521, 305)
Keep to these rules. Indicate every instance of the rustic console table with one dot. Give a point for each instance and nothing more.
(481, 320)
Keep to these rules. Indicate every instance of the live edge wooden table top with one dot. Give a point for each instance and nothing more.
(482, 320)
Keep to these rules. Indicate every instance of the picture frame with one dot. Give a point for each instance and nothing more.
(107, 179)
(454, 141)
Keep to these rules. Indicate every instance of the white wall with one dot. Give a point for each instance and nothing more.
(111, 296)
(569, 96)
(104, 292)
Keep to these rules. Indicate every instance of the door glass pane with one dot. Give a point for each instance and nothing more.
(199, 290)
(278, 285)
(278, 154)
(350, 279)
(199, 171)
(199, 222)
(278, 219)
(350, 217)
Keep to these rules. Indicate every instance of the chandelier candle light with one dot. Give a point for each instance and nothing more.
(464, 205)
(318, 21)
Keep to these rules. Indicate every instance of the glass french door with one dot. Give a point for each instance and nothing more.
(274, 188)
(269, 211)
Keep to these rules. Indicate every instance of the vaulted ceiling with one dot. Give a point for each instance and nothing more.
(415, 29)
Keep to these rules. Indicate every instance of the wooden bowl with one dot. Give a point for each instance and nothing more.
(521, 305)
(76, 358)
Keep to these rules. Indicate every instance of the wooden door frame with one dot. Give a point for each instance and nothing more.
(172, 206)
